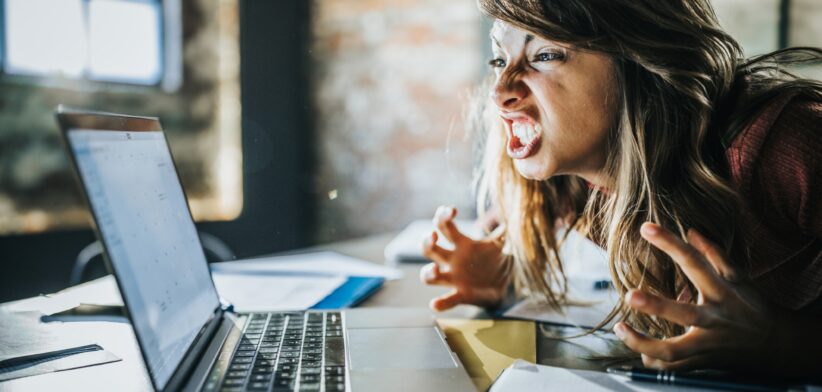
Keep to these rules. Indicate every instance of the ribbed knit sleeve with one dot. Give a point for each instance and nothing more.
(776, 165)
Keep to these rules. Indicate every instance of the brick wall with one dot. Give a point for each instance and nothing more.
(390, 85)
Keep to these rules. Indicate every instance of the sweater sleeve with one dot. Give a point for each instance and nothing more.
(776, 168)
(789, 172)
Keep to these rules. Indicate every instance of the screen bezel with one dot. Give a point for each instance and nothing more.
(73, 119)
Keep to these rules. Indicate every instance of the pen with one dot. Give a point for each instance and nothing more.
(690, 380)
(11, 364)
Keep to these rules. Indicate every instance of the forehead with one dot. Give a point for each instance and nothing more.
(506, 34)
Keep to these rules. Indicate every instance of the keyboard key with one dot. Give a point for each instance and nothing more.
(258, 386)
(283, 383)
(242, 360)
(334, 387)
(234, 382)
(261, 377)
(306, 364)
(334, 352)
(264, 363)
(310, 387)
(311, 370)
(244, 353)
(236, 374)
(286, 368)
(263, 370)
(334, 370)
(239, 366)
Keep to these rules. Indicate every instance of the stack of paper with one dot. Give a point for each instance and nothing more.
(524, 376)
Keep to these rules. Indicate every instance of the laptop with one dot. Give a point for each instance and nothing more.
(189, 340)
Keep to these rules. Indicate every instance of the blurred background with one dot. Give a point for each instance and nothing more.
(292, 122)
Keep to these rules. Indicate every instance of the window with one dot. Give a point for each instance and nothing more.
(121, 41)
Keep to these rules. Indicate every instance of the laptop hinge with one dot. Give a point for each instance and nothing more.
(195, 351)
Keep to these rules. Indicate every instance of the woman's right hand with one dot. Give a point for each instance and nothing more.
(475, 269)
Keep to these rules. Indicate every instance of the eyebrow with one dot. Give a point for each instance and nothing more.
(528, 38)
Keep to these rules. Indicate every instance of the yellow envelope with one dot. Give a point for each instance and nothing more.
(487, 347)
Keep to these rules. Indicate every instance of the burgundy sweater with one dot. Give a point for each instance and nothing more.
(776, 166)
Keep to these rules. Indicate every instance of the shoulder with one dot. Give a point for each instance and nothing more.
(775, 160)
(785, 124)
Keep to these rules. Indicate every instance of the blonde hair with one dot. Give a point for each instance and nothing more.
(680, 79)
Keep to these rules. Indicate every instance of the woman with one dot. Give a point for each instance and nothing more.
(639, 124)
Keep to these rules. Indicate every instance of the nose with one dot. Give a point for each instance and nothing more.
(509, 91)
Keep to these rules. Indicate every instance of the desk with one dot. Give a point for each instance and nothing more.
(130, 374)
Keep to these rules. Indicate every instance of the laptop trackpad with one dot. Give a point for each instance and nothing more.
(398, 348)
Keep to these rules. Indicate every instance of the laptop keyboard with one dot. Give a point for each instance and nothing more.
(290, 351)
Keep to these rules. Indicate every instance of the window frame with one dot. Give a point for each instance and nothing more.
(171, 59)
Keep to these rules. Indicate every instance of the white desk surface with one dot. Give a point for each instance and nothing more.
(130, 374)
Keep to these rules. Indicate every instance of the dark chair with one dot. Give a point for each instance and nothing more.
(215, 250)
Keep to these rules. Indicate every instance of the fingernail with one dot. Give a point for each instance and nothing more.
(443, 213)
(637, 298)
(650, 229)
(619, 331)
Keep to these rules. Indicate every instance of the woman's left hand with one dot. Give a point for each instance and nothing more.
(729, 326)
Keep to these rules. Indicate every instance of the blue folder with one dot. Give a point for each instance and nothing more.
(355, 290)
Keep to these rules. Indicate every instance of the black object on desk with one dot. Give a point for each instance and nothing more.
(692, 380)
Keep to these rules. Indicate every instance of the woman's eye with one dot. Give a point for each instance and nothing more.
(547, 56)
(497, 63)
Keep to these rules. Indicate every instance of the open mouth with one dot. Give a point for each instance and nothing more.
(524, 138)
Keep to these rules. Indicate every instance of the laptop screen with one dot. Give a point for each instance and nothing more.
(142, 215)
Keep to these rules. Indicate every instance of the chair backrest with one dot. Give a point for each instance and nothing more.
(215, 250)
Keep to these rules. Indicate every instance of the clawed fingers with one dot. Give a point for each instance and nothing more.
(669, 350)
(684, 314)
(695, 267)
(432, 274)
(444, 221)
(447, 301)
(434, 252)
(713, 254)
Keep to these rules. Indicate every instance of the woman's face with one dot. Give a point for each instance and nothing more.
(557, 104)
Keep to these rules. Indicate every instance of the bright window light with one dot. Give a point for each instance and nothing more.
(45, 37)
(124, 41)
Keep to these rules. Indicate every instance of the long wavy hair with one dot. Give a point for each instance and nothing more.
(683, 86)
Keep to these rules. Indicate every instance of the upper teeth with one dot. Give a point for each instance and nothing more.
(525, 132)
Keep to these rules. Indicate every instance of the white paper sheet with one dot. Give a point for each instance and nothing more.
(102, 292)
(598, 304)
(266, 293)
(525, 376)
(314, 263)
(585, 264)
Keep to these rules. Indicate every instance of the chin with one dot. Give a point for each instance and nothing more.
(532, 169)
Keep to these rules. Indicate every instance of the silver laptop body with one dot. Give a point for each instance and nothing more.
(188, 339)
